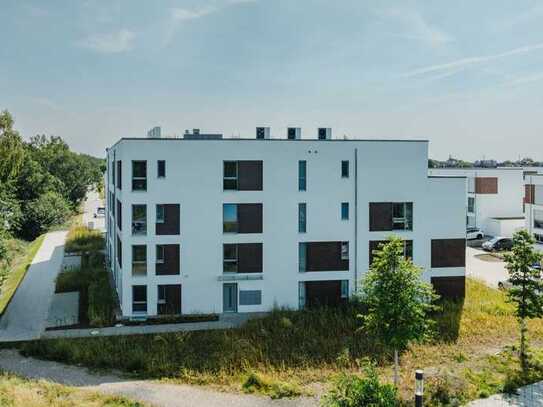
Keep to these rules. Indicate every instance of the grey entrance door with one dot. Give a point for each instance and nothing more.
(230, 297)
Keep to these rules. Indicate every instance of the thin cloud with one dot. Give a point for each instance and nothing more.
(471, 61)
(526, 79)
(182, 14)
(109, 43)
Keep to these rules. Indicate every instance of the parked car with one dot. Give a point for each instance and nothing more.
(100, 211)
(474, 233)
(498, 244)
(506, 284)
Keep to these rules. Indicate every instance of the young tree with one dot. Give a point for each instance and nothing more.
(398, 301)
(527, 288)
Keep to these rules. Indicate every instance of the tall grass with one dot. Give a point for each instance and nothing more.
(81, 239)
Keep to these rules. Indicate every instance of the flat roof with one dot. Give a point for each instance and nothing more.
(447, 176)
(270, 139)
(479, 168)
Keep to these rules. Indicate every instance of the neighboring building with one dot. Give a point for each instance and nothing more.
(494, 198)
(533, 200)
(155, 132)
(201, 225)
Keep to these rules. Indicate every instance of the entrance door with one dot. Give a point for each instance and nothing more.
(230, 297)
(169, 299)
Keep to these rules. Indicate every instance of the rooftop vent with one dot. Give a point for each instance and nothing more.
(325, 133)
(262, 133)
(196, 135)
(294, 133)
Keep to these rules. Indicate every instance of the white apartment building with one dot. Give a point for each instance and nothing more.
(494, 198)
(210, 225)
(534, 205)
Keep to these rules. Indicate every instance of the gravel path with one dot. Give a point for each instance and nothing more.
(157, 394)
(26, 314)
(491, 272)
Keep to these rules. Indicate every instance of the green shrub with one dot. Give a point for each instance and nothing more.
(356, 391)
(258, 383)
(49, 209)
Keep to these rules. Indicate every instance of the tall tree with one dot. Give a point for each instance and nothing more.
(398, 301)
(11, 149)
(527, 288)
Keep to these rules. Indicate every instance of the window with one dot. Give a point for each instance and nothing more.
(139, 260)
(301, 295)
(302, 175)
(139, 175)
(139, 298)
(160, 254)
(344, 250)
(119, 174)
(345, 211)
(301, 217)
(471, 205)
(250, 297)
(119, 215)
(402, 216)
(161, 168)
(538, 219)
(344, 288)
(119, 252)
(160, 214)
(230, 218)
(302, 257)
(113, 172)
(139, 220)
(345, 169)
(538, 237)
(230, 175)
(230, 258)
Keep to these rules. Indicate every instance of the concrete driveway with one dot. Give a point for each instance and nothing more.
(92, 203)
(491, 272)
(26, 315)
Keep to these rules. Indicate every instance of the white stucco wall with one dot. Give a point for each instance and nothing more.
(388, 171)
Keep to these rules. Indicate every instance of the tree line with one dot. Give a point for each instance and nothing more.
(42, 182)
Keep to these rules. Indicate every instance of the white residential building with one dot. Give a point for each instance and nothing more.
(534, 205)
(210, 225)
(494, 198)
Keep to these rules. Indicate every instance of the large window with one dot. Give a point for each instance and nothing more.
(139, 298)
(160, 214)
(302, 175)
(119, 174)
(139, 220)
(230, 175)
(345, 211)
(139, 175)
(402, 216)
(161, 168)
(160, 254)
(471, 205)
(302, 216)
(250, 297)
(230, 258)
(538, 219)
(230, 218)
(139, 260)
(344, 250)
(345, 169)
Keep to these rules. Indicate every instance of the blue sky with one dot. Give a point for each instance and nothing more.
(466, 75)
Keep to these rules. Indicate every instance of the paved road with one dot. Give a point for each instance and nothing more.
(157, 394)
(489, 271)
(26, 315)
(92, 202)
(528, 396)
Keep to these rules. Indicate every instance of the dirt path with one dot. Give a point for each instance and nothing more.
(155, 393)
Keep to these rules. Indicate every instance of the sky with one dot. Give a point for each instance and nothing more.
(465, 75)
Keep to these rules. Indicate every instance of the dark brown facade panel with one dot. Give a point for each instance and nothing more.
(486, 185)
(250, 175)
(325, 256)
(170, 226)
(170, 266)
(250, 258)
(170, 304)
(380, 216)
(250, 218)
(529, 194)
(450, 287)
(448, 253)
(323, 293)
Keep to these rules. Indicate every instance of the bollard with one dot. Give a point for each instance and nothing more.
(419, 387)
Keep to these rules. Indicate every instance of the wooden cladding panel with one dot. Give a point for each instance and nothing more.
(380, 216)
(450, 287)
(322, 293)
(171, 221)
(448, 253)
(529, 194)
(171, 261)
(250, 175)
(325, 256)
(486, 185)
(250, 218)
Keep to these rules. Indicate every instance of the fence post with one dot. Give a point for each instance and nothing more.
(419, 387)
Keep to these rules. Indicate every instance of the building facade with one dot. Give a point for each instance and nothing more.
(245, 225)
(533, 201)
(494, 198)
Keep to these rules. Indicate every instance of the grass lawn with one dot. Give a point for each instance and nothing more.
(17, 392)
(295, 352)
(10, 278)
